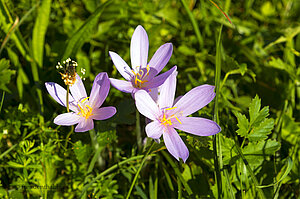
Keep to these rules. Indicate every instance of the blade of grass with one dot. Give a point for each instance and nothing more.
(7, 151)
(178, 173)
(23, 48)
(216, 143)
(39, 31)
(2, 100)
(79, 37)
(107, 171)
(138, 171)
(194, 23)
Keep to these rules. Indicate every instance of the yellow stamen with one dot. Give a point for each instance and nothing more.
(167, 109)
(177, 119)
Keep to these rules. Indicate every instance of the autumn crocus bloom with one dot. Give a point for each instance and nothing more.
(142, 76)
(85, 109)
(167, 116)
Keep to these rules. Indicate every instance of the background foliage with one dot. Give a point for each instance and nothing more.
(255, 155)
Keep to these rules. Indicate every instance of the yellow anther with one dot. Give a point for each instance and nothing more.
(148, 68)
(177, 119)
(83, 100)
(167, 109)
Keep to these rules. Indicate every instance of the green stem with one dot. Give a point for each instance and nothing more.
(2, 100)
(138, 171)
(194, 23)
(179, 188)
(67, 100)
(260, 192)
(178, 172)
(110, 170)
(138, 130)
(218, 162)
(68, 136)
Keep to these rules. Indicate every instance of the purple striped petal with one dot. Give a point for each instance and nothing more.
(161, 57)
(139, 48)
(121, 65)
(146, 106)
(122, 85)
(59, 94)
(167, 92)
(160, 79)
(175, 145)
(154, 129)
(197, 126)
(103, 113)
(77, 90)
(100, 90)
(84, 125)
(67, 119)
(154, 94)
(194, 100)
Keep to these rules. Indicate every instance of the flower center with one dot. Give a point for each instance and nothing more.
(166, 120)
(85, 109)
(140, 76)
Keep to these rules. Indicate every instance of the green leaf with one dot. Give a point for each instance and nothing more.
(261, 148)
(39, 31)
(14, 164)
(289, 166)
(5, 74)
(261, 116)
(82, 152)
(243, 124)
(254, 109)
(260, 132)
(83, 33)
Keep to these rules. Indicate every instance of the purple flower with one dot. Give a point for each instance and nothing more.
(142, 76)
(85, 109)
(167, 116)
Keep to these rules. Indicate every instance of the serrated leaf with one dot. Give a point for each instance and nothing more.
(260, 132)
(261, 116)
(243, 124)
(254, 109)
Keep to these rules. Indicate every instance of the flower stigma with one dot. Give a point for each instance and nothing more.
(140, 76)
(85, 109)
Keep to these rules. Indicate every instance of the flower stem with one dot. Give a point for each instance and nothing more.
(138, 130)
(67, 100)
(2, 100)
(68, 136)
(138, 171)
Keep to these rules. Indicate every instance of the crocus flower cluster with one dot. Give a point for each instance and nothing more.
(153, 94)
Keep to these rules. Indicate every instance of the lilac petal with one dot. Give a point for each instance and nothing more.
(161, 57)
(160, 79)
(167, 92)
(121, 65)
(78, 90)
(100, 90)
(122, 85)
(103, 113)
(67, 119)
(59, 94)
(139, 48)
(154, 129)
(197, 126)
(154, 94)
(194, 100)
(175, 145)
(84, 125)
(177, 99)
(146, 106)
